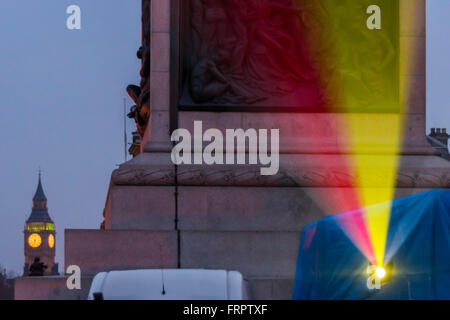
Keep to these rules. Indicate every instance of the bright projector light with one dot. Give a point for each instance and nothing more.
(378, 275)
(380, 272)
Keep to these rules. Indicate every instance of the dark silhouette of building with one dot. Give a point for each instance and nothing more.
(6, 287)
(37, 268)
(440, 134)
(39, 235)
(438, 139)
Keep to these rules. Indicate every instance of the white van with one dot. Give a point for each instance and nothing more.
(169, 284)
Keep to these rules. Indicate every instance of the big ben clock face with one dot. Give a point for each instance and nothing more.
(51, 241)
(34, 240)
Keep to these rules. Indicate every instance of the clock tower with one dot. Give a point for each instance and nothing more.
(39, 234)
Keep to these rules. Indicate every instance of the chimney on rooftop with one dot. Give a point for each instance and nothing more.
(441, 135)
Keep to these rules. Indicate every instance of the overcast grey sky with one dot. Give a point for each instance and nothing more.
(61, 96)
(438, 63)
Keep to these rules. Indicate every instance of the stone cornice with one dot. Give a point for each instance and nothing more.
(295, 171)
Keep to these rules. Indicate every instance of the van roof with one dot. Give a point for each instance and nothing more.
(168, 284)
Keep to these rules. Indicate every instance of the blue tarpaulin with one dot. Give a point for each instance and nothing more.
(330, 265)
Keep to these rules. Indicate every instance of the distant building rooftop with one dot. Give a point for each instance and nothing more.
(438, 139)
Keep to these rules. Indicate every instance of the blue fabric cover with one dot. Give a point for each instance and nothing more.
(418, 243)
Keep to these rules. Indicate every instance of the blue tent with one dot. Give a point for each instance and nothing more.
(330, 265)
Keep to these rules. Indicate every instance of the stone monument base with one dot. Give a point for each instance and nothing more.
(159, 216)
(49, 288)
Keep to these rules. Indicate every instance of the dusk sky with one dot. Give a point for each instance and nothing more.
(61, 103)
(61, 95)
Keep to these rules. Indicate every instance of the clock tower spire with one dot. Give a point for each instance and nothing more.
(39, 234)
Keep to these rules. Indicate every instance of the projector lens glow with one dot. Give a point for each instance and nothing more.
(380, 272)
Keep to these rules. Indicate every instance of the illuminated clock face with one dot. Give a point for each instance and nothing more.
(51, 241)
(34, 240)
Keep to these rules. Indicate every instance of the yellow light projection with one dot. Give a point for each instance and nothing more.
(367, 55)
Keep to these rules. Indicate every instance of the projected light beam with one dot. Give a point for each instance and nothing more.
(365, 84)
(363, 75)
